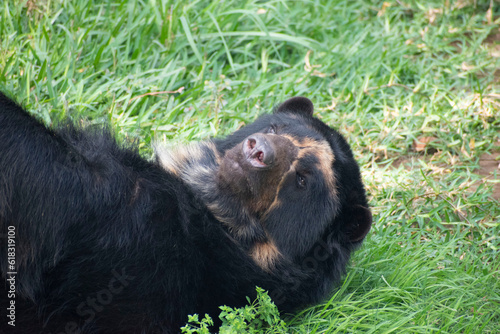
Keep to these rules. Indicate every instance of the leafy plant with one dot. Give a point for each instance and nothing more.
(261, 316)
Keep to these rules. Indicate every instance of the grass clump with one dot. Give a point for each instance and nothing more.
(413, 85)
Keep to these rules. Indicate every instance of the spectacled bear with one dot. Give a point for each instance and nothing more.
(97, 239)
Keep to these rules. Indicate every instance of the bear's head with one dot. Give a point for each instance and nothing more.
(280, 185)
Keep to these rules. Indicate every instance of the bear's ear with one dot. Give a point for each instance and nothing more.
(298, 104)
(359, 219)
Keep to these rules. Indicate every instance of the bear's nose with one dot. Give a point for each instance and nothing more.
(259, 150)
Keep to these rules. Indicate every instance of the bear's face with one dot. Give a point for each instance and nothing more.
(283, 176)
(280, 184)
(297, 180)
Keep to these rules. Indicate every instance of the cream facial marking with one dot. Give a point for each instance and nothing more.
(323, 152)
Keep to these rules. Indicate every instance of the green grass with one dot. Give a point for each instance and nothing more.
(385, 76)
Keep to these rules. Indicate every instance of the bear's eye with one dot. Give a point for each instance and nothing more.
(272, 129)
(301, 181)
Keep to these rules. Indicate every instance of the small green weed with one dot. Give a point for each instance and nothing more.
(261, 316)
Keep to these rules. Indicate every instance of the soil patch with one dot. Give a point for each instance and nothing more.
(493, 37)
(490, 168)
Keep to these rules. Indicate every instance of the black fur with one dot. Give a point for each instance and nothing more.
(108, 242)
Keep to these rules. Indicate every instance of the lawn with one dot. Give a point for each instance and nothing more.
(414, 86)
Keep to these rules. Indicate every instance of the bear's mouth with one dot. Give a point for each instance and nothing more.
(258, 151)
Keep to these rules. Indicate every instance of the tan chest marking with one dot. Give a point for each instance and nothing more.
(176, 159)
(265, 254)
